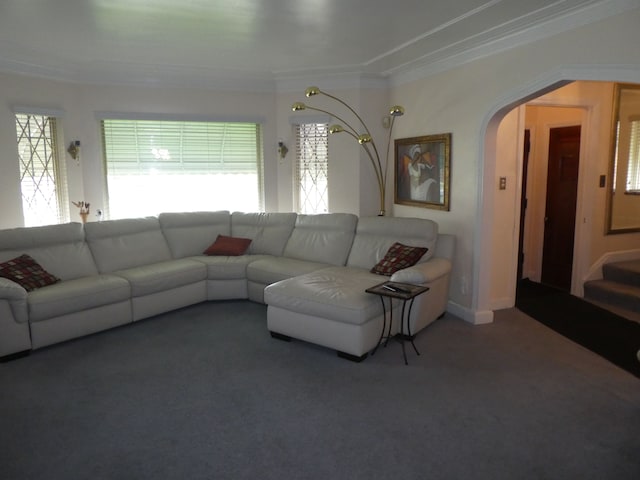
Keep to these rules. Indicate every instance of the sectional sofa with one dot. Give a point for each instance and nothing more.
(311, 271)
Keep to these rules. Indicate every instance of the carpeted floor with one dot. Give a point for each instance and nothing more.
(205, 393)
(607, 334)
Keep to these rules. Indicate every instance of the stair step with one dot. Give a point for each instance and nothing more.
(616, 294)
(621, 312)
(623, 272)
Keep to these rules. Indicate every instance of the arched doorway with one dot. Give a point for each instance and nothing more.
(485, 260)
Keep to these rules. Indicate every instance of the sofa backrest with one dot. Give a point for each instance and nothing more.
(268, 232)
(127, 243)
(60, 249)
(374, 236)
(190, 233)
(325, 238)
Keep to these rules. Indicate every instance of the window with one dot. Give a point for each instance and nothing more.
(633, 172)
(156, 166)
(312, 165)
(41, 185)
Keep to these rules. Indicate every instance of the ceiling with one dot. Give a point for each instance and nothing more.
(251, 42)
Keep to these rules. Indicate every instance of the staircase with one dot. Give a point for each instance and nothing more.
(619, 289)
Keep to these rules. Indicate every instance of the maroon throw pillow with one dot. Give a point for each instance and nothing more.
(27, 273)
(398, 256)
(224, 245)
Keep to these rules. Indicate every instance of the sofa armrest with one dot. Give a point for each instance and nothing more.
(10, 290)
(423, 272)
(16, 298)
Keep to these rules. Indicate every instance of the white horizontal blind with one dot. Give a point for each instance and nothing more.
(158, 165)
(633, 172)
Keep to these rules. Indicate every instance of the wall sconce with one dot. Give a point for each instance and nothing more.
(74, 149)
(282, 149)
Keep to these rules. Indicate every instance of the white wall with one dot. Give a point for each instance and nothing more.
(352, 182)
(80, 104)
(470, 101)
(506, 205)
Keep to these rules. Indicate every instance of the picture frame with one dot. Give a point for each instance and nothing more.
(422, 171)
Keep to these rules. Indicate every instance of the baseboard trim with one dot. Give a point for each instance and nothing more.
(475, 317)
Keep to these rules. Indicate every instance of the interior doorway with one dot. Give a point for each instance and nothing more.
(549, 194)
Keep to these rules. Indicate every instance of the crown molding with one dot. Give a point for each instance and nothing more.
(529, 28)
(331, 81)
(490, 44)
(142, 75)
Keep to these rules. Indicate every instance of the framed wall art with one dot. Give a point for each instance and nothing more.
(422, 168)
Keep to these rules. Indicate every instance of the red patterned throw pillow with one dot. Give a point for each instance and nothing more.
(398, 256)
(232, 246)
(27, 273)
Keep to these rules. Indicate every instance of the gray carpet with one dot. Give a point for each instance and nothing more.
(205, 393)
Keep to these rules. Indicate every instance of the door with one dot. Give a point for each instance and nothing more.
(523, 201)
(560, 210)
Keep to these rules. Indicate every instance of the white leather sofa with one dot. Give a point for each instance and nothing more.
(120, 271)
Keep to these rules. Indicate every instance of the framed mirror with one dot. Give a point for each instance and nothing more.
(623, 200)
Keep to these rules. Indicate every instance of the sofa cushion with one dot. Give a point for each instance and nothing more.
(269, 232)
(336, 293)
(27, 273)
(77, 295)
(398, 256)
(273, 269)
(128, 243)
(163, 276)
(374, 236)
(229, 246)
(228, 268)
(189, 233)
(60, 249)
(324, 238)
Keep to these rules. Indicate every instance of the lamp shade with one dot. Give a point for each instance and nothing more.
(311, 91)
(396, 111)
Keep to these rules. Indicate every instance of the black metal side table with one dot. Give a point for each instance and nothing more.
(406, 293)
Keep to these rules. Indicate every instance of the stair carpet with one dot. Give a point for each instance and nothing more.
(619, 289)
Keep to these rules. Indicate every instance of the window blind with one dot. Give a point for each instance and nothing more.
(633, 171)
(141, 147)
(156, 166)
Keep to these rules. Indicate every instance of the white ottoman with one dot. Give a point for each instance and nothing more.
(328, 307)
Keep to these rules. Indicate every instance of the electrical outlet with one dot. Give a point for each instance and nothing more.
(503, 183)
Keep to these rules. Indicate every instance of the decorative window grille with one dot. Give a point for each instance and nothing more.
(312, 168)
(158, 166)
(633, 171)
(41, 184)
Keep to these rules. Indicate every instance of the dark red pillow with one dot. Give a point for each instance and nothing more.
(228, 246)
(27, 273)
(398, 256)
